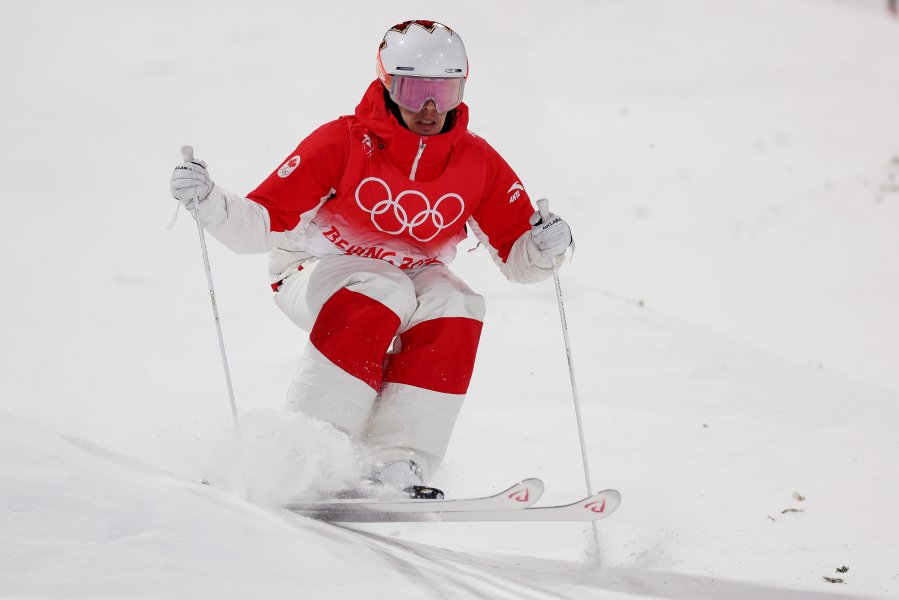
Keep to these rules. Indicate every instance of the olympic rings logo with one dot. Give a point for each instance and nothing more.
(411, 210)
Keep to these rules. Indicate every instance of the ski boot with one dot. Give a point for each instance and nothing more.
(404, 475)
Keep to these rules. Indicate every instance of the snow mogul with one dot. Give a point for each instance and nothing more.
(361, 221)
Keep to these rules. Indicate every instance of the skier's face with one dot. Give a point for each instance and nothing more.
(427, 121)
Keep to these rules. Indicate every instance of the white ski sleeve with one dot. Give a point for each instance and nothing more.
(239, 223)
(525, 263)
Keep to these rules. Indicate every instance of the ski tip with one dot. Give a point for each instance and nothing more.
(602, 504)
(524, 493)
(533, 483)
(611, 494)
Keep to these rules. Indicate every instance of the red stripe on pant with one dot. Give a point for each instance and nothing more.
(354, 332)
(437, 355)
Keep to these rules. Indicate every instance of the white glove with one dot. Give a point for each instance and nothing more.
(552, 235)
(190, 181)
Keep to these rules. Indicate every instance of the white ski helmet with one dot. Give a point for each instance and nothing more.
(421, 48)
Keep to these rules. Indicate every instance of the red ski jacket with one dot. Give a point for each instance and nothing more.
(365, 185)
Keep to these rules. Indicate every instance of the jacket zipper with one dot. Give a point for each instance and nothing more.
(421, 149)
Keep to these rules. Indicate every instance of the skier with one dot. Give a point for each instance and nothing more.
(361, 221)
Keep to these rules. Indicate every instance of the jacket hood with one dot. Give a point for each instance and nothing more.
(401, 144)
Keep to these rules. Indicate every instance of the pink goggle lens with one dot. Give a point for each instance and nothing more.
(413, 92)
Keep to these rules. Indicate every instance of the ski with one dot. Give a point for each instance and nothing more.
(592, 508)
(519, 496)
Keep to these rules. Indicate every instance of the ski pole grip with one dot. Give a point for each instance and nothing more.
(187, 153)
(543, 207)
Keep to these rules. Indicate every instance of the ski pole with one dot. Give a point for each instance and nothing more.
(543, 207)
(187, 154)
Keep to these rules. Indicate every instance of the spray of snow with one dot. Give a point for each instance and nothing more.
(282, 456)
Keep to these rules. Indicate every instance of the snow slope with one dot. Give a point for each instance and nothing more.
(730, 170)
(701, 519)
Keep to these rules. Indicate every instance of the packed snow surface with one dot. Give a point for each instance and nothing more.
(731, 174)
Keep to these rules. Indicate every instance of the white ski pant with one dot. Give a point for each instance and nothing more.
(390, 352)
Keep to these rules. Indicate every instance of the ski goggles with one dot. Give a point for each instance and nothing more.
(412, 93)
